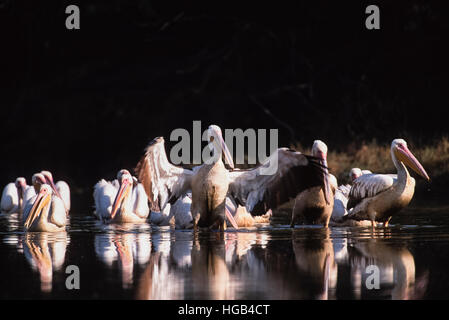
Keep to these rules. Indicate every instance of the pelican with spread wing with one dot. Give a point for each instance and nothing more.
(377, 197)
(257, 189)
(315, 204)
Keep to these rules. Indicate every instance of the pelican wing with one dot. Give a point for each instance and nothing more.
(344, 190)
(27, 207)
(368, 186)
(259, 191)
(140, 201)
(57, 212)
(163, 182)
(10, 199)
(104, 194)
(64, 190)
(28, 194)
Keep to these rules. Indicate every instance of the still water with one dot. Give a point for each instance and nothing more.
(267, 262)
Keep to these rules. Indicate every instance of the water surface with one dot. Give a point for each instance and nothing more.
(267, 262)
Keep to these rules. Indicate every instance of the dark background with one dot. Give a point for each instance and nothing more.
(84, 103)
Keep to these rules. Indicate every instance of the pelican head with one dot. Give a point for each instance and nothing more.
(355, 173)
(40, 204)
(126, 184)
(217, 143)
(21, 183)
(38, 180)
(400, 151)
(49, 180)
(319, 150)
(121, 173)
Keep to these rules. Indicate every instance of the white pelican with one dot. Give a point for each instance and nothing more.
(211, 183)
(179, 211)
(376, 197)
(61, 188)
(342, 195)
(340, 202)
(315, 204)
(13, 196)
(122, 201)
(357, 172)
(37, 180)
(45, 212)
(182, 215)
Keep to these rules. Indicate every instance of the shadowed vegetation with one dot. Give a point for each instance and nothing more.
(376, 157)
(84, 103)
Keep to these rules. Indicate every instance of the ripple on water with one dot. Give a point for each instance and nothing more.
(265, 262)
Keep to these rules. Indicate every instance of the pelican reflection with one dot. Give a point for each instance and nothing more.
(397, 271)
(45, 253)
(127, 249)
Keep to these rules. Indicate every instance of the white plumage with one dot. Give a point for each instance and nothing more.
(369, 185)
(340, 202)
(122, 200)
(61, 188)
(10, 199)
(15, 195)
(64, 190)
(342, 195)
(104, 194)
(376, 197)
(45, 212)
(258, 189)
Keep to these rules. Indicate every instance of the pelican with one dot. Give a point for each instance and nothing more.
(182, 215)
(122, 201)
(179, 213)
(340, 202)
(45, 212)
(61, 188)
(357, 172)
(37, 180)
(342, 195)
(315, 204)
(13, 196)
(377, 197)
(211, 183)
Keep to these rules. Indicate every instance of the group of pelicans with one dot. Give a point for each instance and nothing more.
(212, 196)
